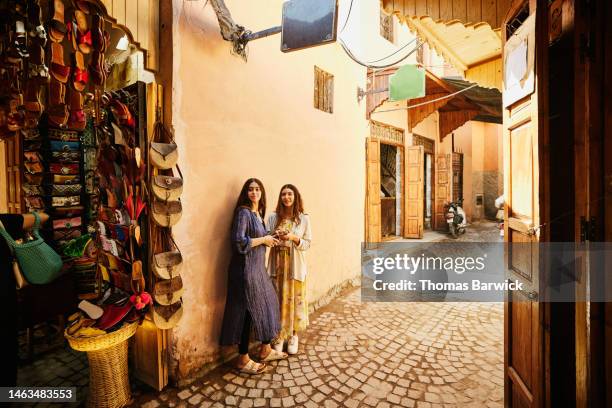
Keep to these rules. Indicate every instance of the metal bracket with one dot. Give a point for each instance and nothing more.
(262, 34)
(361, 93)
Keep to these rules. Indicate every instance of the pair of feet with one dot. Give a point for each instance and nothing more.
(266, 354)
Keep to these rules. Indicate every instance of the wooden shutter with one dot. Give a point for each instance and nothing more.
(373, 209)
(415, 184)
(443, 189)
(524, 166)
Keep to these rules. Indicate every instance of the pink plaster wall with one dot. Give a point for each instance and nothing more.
(236, 120)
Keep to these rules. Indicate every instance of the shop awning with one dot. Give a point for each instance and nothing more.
(466, 35)
(477, 103)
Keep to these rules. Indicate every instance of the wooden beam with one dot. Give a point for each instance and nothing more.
(450, 121)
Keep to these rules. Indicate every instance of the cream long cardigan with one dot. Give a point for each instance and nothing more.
(298, 252)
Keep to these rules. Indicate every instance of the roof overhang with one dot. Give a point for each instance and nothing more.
(477, 103)
(470, 40)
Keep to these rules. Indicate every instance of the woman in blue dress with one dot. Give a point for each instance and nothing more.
(251, 298)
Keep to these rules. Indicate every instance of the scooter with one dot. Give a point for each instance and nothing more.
(499, 204)
(455, 217)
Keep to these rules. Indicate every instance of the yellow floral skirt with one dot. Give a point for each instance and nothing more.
(291, 295)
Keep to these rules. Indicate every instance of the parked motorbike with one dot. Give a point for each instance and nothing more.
(499, 204)
(456, 219)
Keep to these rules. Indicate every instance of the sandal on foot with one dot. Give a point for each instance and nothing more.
(273, 356)
(252, 368)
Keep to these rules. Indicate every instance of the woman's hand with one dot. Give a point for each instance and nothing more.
(291, 237)
(270, 241)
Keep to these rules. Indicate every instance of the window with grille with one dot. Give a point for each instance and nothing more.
(386, 26)
(323, 90)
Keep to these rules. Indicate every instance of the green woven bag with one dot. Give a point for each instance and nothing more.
(39, 263)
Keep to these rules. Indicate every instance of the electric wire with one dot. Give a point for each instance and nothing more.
(428, 102)
(368, 63)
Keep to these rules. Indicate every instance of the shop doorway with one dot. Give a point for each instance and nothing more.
(390, 190)
(386, 200)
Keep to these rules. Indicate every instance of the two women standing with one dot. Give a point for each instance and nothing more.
(251, 298)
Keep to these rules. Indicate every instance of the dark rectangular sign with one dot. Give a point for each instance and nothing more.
(308, 23)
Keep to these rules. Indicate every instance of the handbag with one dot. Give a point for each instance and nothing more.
(163, 155)
(39, 263)
(64, 168)
(167, 188)
(64, 179)
(20, 280)
(168, 291)
(167, 317)
(163, 152)
(66, 189)
(64, 201)
(66, 156)
(63, 135)
(60, 146)
(167, 259)
(167, 213)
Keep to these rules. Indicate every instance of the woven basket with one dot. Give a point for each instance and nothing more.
(109, 385)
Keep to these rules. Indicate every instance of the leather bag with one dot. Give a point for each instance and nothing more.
(163, 151)
(167, 188)
(167, 259)
(167, 317)
(168, 291)
(163, 155)
(166, 213)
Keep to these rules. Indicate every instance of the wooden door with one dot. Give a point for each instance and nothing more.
(443, 189)
(414, 192)
(373, 208)
(13, 174)
(525, 166)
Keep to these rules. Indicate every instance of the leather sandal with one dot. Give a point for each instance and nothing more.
(80, 76)
(81, 34)
(59, 70)
(253, 368)
(57, 25)
(274, 355)
(77, 120)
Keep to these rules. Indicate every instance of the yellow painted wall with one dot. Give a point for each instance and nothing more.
(235, 120)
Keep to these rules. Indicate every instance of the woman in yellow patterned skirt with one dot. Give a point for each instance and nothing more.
(287, 264)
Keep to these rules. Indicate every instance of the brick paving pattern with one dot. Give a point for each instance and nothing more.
(353, 354)
(371, 355)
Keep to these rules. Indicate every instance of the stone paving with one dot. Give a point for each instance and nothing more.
(353, 354)
(371, 355)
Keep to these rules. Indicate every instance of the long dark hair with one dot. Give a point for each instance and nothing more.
(243, 198)
(298, 204)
